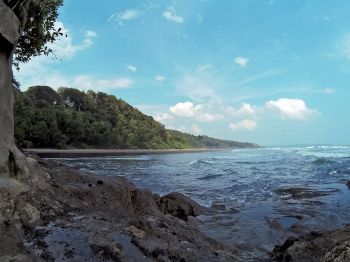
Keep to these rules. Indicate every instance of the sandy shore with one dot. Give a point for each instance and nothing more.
(53, 153)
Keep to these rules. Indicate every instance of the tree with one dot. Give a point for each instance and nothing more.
(39, 30)
(24, 41)
(44, 95)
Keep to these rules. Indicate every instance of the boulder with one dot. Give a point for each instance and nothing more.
(180, 206)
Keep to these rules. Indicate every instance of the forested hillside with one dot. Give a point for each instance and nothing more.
(70, 118)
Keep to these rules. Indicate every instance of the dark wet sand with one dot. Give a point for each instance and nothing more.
(70, 153)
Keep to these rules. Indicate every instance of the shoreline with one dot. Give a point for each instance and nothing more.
(64, 214)
(73, 153)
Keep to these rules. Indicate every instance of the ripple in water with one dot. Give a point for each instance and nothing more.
(279, 192)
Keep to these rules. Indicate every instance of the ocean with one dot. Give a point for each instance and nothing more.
(261, 196)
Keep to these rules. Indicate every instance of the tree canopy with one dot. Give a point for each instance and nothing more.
(39, 30)
(71, 118)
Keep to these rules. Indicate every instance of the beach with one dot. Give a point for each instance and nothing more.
(72, 153)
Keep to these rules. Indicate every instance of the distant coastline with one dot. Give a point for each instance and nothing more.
(72, 153)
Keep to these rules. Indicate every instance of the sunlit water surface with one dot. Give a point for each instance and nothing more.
(258, 212)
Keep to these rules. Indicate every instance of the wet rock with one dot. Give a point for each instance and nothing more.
(46, 163)
(136, 232)
(303, 193)
(112, 251)
(340, 253)
(279, 252)
(348, 184)
(29, 214)
(179, 206)
(234, 210)
(218, 206)
(274, 224)
(88, 218)
(316, 247)
(115, 249)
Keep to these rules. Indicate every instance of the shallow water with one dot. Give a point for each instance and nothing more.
(278, 192)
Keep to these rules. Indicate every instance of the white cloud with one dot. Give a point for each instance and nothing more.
(160, 78)
(129, 15)
(343, 46)
(200, 18)
(193, 129)
(123, 16)
(246, 124)
(163, 117)
(241, 61)
(86, 82)
(64, 48)
(38, 72)
(290, 108)
(244, 110)
(326, 91)
(202, 85)
(90, 34)
(186, 109)
(256, 77)
(199, 87)
(189, 110)
(196, 130)
(171, 15)
(327, 18)
(131, 68)
(204, 67)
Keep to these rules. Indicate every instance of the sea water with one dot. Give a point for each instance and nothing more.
(262, 195)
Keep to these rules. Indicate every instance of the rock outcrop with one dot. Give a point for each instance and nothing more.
(179, 206)
(12, 20)
(316, 247)
(71, 215)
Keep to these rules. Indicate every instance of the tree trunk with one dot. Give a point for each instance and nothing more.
(12, 19)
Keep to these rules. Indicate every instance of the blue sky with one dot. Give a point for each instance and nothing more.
(266, 71)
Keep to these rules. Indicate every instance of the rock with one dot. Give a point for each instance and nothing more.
(218, 206)
(340, 253)
(348, 184)
(136, 232)
(103, 211)
(112, 251)
(303, 193)
(99, 182)
(29, 214)
(10, 24)
(316, 247)
(180, 206)
(46, 163)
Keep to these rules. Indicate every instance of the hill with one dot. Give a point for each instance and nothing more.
(70, 118)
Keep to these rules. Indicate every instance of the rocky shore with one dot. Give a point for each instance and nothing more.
(59, 214)
(327, 246)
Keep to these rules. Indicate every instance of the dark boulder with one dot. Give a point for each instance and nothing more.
(180, 206)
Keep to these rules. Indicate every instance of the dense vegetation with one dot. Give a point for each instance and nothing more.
(71, 118)
(39, 28)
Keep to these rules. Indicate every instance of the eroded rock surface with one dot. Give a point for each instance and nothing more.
(179, 206)
(316, 247)
(69, 215)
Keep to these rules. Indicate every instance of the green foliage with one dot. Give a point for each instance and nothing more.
(178, 139)
(71, 118)
(39, 30)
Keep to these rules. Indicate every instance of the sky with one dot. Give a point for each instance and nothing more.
(273, 72)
